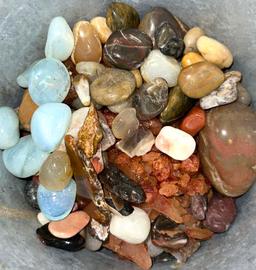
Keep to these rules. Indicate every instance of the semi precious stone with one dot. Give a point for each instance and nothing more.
(26, 110)
(225, 94)
(100, 25)
(91, 70)
(178, 105)
(125, 123)
(42, 219)
(155, 18)
(190, 59)
(49, 81)
(175, 143)
(9, 128)
(47, 127)
(214, 52)
(191, 38)
(121, 16)
(112, 87)
(168, 42)
(56, 172)
(138, 77)
(56, 205)
(200, 79)
(30, 193)
(133, 229)
(24, 159)
(126, 49)
(117, 108)
(227, 148)
(87, 43)
(138, 143)
(244, 96)
(23, 78)
(60, 39)
(81, 85)
(158, 65)
(151, 99)
(74, 243)
(69, 226)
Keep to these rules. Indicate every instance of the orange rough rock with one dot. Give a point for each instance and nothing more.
(199, 233)
(197, 186)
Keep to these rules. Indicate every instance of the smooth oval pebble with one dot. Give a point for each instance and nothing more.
(42, 219)
(30, 192)
(81, 85)
(9, 128)
(138, 77)
(47, 127)
(175, 143)
(69, 226)
(191, 38)
(133, 229)
(56, 205)
(126, 49)
(117, 108)
(112, 87)
(191, 58)
(158, 65)
(24, 159)
(244, 96)
(49, 81)
(200, 79)
(100, 25)
(87, 43)
(91, 70)
(56, 172)
(60, 39)
(214, 52)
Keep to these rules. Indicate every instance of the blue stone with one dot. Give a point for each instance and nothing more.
(9, 128)
(49, 125)
(49, 81)
(56, 205)
(24, 159)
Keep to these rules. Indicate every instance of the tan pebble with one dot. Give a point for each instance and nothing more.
(138, 77)
(191, 38)
(69, 226)
(100, 25)
(191, 58)
(26, 110)
(214, 52)
(42, 219)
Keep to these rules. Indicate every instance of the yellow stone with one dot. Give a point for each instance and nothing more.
(138, 77)
(191, 38)
(191, 58)
(100, 25)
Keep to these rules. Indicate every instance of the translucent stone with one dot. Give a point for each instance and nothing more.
(24, 159)
(81, 85)
(9, 128)
(117, 108)
(125, 123)
(244, 96)
(56, 172)
(49, 81)
(91, 70)
(138, 143)
(60, 40)
(56, 205)
(48, 128)
(42, 219)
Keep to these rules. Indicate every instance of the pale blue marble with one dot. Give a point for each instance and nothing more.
(49, 125)
(60, 40)
(49, 81)
(22, 79)
(9, 128)
(56, 205)
(25, 158)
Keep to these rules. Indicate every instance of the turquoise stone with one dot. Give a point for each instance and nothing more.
(9, 128)
(25, 158)
(49, 81)
(56, 205)
(49, 125)
(60, 40)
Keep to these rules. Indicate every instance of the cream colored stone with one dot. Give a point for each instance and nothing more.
(100, 25)
(191, 38)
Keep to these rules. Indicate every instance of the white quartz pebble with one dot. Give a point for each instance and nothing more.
(133, 229)
(81, 85)
(175, 143)
(42, 219)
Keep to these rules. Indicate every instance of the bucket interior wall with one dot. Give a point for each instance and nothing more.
(23, 31)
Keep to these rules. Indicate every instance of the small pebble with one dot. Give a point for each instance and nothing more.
(56, 205)
(100, 25)
(191, 58)
(81, 85)
(138, 77)
(69, 226)
(117, 108)
(9, 128)
(191, 38)
(91, 243)
(214, 52)
(153, 250)
(42, 219)
(92, 70)
(244, 96)
(30, 193)
(133, 229)
(175, 143)
(158, 65)
(60, 40)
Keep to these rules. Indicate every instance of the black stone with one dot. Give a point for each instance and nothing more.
(30, 193)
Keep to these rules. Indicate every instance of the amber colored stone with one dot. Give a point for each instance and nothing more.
(100, 25)
(194, 121)
(138, 77)
(26, 110)
(87, 43)
(191, 58)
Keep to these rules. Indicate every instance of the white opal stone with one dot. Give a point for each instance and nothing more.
(60, 39)
(82, 88)
(133, 229)
(49, 124)
(24, 159)
(9, 128)
(158, 65)
(175, 143)
(42, 219)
